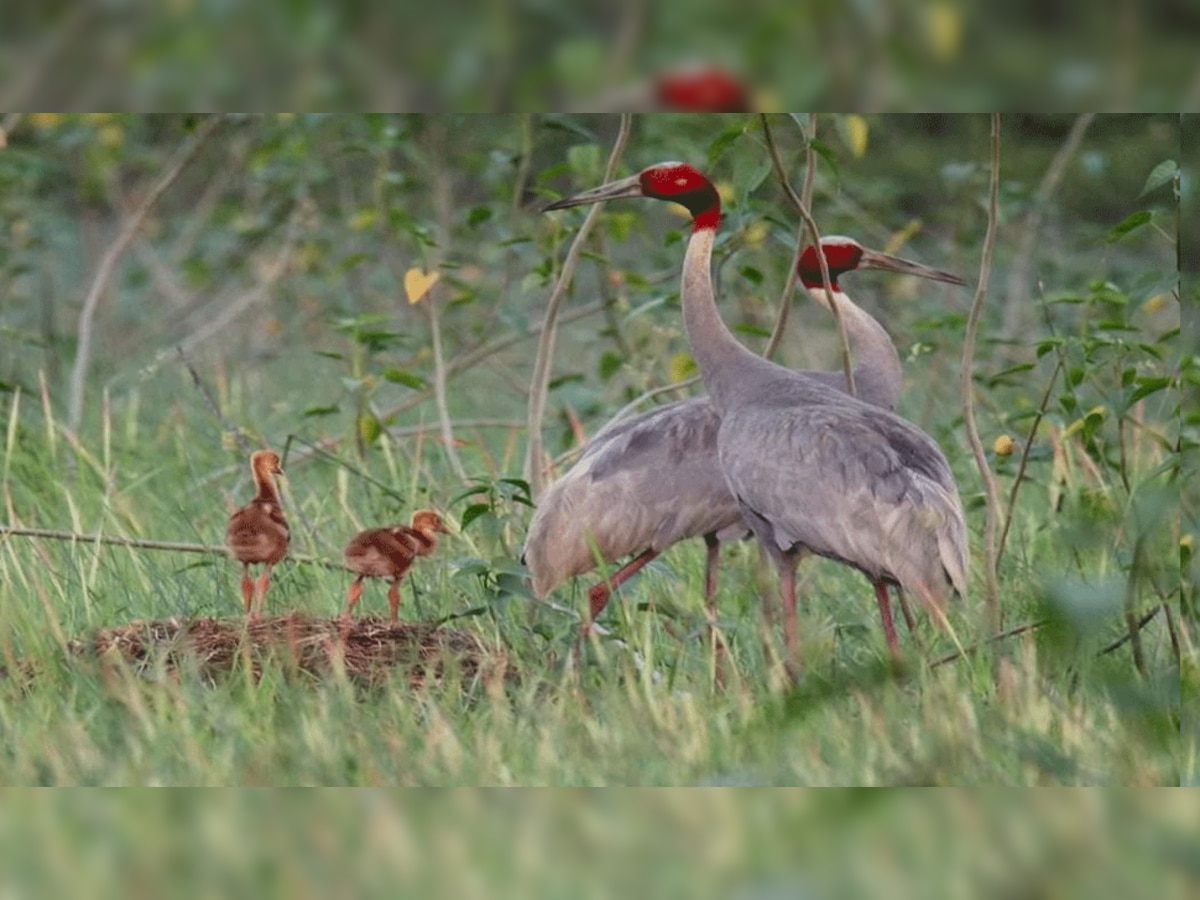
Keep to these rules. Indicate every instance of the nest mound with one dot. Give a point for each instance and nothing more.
(367, 650)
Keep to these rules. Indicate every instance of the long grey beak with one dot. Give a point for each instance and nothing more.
(874, 260)
(625, 187)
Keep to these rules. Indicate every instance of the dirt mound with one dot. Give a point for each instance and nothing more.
(368, 650)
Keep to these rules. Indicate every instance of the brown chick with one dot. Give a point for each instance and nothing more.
(389, 552)
(258, 532)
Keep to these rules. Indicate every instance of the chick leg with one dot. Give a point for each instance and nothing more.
(394, 599)
(247, 588)
(352, 597)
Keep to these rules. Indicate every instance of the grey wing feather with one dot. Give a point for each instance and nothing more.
(897, 505)
(642, 483)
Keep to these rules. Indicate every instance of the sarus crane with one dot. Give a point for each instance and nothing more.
(811, 468)
(645, 483)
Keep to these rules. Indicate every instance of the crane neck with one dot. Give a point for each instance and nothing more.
(268, 492)
(718, 354)
(878, 373)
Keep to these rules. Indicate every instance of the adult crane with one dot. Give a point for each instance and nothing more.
(643, 484)
(812, 469)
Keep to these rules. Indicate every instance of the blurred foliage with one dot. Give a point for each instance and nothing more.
(521, 54)
(746, 845)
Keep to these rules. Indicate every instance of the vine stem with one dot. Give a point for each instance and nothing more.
(967, 389)
(540, 384)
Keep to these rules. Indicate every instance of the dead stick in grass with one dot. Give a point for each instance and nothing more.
(540, 384)
(789, 285)
(108, 263)
(826, 281)
(967, 388)
(143, 543)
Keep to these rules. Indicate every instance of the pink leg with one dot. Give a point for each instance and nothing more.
(264, 582)
(791, 630)
(711, 562)
(394, 599)
(599, 594)
(353, 596)
(909, 619)
(885, 613)
(247, 589)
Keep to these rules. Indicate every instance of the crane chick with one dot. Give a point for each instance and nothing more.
(389, 552)
(258, 532)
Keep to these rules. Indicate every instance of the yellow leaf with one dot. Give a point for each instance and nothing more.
(856, 134)
(944, 22)
(756, 233)
(111, 135)
(45, 121)
(1003, 446)
(364, 218)
(897, 241)
(682, 366)
(417, 283)
(1156, 304)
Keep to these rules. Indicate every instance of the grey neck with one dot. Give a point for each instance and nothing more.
(878, 374)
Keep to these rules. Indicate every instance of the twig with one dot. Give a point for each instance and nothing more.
(1020, 477)
(142, 543)
(540, 386)
(273, 271)
(967, 388)
(108, 263)
(789, 285)
(443, 201)
(967, 651)
(826, 282)
(630, 407)
(1018, 274)
(1135, 627)
(243, 442)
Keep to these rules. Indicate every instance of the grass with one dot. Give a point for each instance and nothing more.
(1041, 708)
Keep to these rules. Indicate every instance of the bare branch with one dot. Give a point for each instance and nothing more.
(789, 285)
(1017, 291)
(142, 543)
(967, 388)
(545, 352)
(108, 263)
(802, 208)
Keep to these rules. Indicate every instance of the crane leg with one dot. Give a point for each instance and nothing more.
(909, 619)
(791, 633)
(885, 613)
(394, 599)
(353, 596)
(247, 589)
(599, 595)
(264, 582)
(712, 561)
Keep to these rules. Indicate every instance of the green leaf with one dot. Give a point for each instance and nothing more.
(329, 354)
(826, 153)
(471, 513)
(1166, 171)
(478, 215)
(751, 274)
(610, 364)
(368, 428)
(1132, 223)
(320, 410)
(752, 330)
(396, 375)
(1148, 385)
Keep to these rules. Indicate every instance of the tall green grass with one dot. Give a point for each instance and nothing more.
(638, 708)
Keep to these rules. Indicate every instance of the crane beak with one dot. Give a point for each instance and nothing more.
(873, 260)
(625, 187)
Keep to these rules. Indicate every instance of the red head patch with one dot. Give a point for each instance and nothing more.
(842, 255)
(701, 89)
(687, 186)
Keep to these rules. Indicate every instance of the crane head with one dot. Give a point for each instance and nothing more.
(701, 88)
(843, 254)
(266, 462)
(429, 520)
(674, 181)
